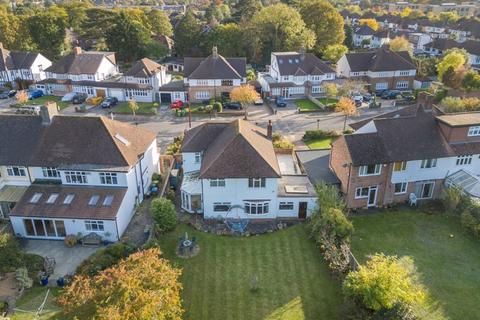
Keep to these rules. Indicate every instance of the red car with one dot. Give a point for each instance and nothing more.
(176, 105)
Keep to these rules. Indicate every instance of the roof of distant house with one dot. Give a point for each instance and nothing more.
(144, 68)
(471, 46)
(81, 62)
(236, 149)
(215, 66)
(71, 142)
(300, 64)
(16, 60)
(364, 30)
(381, 60)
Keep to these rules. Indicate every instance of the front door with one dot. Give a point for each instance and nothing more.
(302, 210)
(101, 93)
(372, 196)
(285, 93)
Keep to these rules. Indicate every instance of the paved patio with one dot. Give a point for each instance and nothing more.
(67, 259)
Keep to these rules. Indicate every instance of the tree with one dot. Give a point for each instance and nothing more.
(47, 30)
(251, 75)
(160, 23)
(164, 214)
(277, 28)
(246, 95)
(245, 9)
(449, 16)
(187, 35)
(325, 21)
(21, 97)
(372, 23)
(334, 52)
(400, 44)
(426, 67)
(454, 60)
(331, 90)
(76, 13)
(348, 42)
(133, 106)
(90, 30)
(228, 38)
(143, 286)
(347, 107)
(383, 282)
(471, 81)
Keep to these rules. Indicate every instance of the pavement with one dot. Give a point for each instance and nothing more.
(66, 259)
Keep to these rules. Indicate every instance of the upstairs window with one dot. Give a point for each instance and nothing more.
(77, 177)
(256, 182)
(16, 171)
(463, 160)
(50, 172)
(474, 131)
(399, 166)
(370, 170)
(217, 182)
(428, 163)
(108, 178)
(198, 157)
(227, 83)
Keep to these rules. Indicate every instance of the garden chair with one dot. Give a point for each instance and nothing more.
(412, 199)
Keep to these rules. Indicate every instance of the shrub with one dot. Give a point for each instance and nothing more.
(218, 106)
(164, 214)
(201, 108)
(174, 147)
(456, 104)
(318, 134)
(469, 222)
(70, 240)
(104, 258)
(11, 256)
(451, 198)
(329, 197)
(21, 275)
(209, 108)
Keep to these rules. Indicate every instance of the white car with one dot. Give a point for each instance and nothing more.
(357, 96)
(258, 102)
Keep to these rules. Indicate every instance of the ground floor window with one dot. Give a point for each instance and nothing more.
(402, 85)
(424, 190)
(256, 207)
(285, 206)
(361, 192)
(177, 96)
(400, 188)
(44, 228)
(202, 95)
(462, 160)
(94, 225)
(221, 206)
(381, 86)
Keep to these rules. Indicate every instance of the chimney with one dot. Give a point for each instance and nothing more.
(302, 52)
(77, 50)
(269, 130)
(48, 111)
(215, 52)
(425, 100)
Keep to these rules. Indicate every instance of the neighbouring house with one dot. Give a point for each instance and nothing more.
(294, 75)
(232, 171)
(174, 64)
(380, 38)
(408, 153)
(210, 77)
(20, 69)
(67, 175)
(362, 36)
(438, 47)
(382, 69)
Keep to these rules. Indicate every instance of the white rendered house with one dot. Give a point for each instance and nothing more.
(63, 175)
(231, 170)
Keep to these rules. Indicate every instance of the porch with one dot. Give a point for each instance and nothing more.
(191, 192)
(9, 196)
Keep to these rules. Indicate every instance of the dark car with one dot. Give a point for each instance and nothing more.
(34, 94)
(280, 102)
(378, 93)
(233, 105)
(367, 97)
(79, 98)
(408, 96)
(4, 95)
(109, 102)
(358, 103)
(390, 94)
(8, 94)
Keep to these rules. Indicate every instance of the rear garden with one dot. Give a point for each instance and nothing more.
(446, 258)
(274, 276)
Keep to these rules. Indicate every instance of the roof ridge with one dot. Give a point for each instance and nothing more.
(104, 120)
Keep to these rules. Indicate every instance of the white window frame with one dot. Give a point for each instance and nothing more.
(198, 157)
(474, 131)
(94, 225)
(402, 84)
(225, 206)
(403, 188)
(76, 177)
(286, 205)
(381, 86)
(50, 172)
(403, 166)
(428, 163)
(464, 160)
(362, 170)
(17, 171)
(202, 95)
(257, 182)
(359, 194)
(108, 178)
(214, 183)
(257, 207)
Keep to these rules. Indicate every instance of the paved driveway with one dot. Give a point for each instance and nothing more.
(67, 259)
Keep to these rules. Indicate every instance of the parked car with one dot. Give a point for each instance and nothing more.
(408, 96)
(109, 102)
(176, 104)
(367, 97)
(68, 97)
(357, 96)
(280, 102)
(258, 102)
(8, 94)
(34, 94)
(94, 101)
(233, 105)
(358, 103)
(390, 94)
(79, 98)
(4, 95)
(379, 93)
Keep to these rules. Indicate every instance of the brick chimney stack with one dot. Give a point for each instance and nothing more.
(48, 111)
(270, 130)
(77, 50)
(425, 100)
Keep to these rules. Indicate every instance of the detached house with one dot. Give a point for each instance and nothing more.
(63, 175)
(295, 75)
(383, 69)
(207, 78)
(362, 36)
(409, 153)
(19, 66)
(232, 171)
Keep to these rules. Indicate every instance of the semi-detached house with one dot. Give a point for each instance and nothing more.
(63, 175)
(412, 151)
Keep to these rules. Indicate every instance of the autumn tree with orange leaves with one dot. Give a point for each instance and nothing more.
(143, 286)
(246, 95)
(347, 107)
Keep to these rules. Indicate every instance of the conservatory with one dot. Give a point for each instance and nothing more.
(465, 182)
(191, 192)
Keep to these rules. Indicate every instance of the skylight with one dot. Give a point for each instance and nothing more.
(93, 200)
(68, 198)
(122, 139)
(296, 189)
(52, 198)
(107, 202)
(36, 196)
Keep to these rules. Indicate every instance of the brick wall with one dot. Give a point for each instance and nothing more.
(340, 161)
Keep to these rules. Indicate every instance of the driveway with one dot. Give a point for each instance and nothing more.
(67, 259)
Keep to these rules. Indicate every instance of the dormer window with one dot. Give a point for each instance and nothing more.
(474, 131)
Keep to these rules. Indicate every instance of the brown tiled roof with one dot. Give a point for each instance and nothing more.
(98, 84)
(71, 142)
(215, 67)
(16, 60)
(442, 44)
(460, 119)
(293, 63)
(144, 68)
(199, 138)
(364, 30)
(242, 150)
(77, 209)
(86, 62)
(381, 60)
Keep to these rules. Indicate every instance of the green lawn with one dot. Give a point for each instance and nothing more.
(323, 143)
(40, 101)
(293, 279)
(144, 108)
(326, 101)
(32, 299)
(448, 266)
(306, 105)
